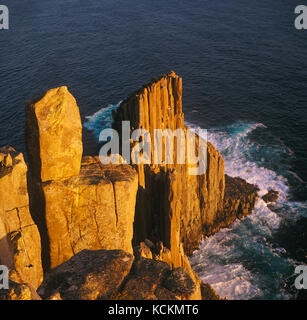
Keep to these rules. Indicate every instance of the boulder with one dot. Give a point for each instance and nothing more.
(20, 244)
(88, 275)
(154, 280)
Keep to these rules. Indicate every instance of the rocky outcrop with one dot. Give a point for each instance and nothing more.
(20, 248)
(88, 275)
(54, 135)
(112, 274)
(76, 205)
(154, 280)
(174, 208)
(239, 201)
(271, 196)
(172, 205)
(79, 203)
(93, 210)
(19, 291)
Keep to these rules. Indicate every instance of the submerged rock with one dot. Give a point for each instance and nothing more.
(271, 196)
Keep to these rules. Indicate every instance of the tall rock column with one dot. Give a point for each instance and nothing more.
(20, 248)
(54, 136)
(158, 105)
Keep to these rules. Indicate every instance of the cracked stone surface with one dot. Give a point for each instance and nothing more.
(20, 245)
(94, 210)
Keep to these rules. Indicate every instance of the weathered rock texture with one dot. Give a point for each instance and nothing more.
(154, 280)
(20, 248)
(19, 291)
(54, 135)
(172, 206)
(239, 201)
(113, 274)
(175, 209)
(88, 275)
(76, 205)
(93, 210)
(271, 196)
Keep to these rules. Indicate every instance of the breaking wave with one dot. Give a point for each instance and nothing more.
(244, 261)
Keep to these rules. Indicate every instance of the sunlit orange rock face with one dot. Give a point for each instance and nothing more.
(20, 244)
(54, 135)
(76, 205)
(156, 211)
(173, 206)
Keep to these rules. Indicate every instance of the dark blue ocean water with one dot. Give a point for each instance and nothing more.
(244, 71)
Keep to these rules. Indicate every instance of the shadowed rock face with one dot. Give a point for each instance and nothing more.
(20, 248)
(112, 274)
(89, 275)
(239, 201)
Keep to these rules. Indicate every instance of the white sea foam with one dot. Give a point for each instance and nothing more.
(240, 262)
(101, 119)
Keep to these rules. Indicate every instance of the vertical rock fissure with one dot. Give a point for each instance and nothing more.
(115, 205)
(24, 244)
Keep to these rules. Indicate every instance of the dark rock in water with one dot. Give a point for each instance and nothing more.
(239, 201)
(89, 275)
(240, 197)
(271, 196)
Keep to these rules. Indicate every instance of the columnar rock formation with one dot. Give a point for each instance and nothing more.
(54, 136)
(172, 206)
(156, 211)
(76, 206)
(20, 248)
